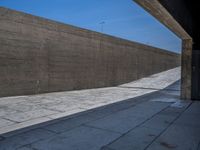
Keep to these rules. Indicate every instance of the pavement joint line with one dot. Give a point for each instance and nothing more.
(63, 130)
(82, 124)
(101, 129)
(28, 120)
(130, 106)
(29, 145)
(88, 113)
(58, 133)
(137, 126)
(48, 130)
(107, 148)
(11, 120)
(171, 123)
(23, 132)
(147, 88)
(60, 111)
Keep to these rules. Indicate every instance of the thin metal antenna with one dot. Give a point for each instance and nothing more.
(102, 25)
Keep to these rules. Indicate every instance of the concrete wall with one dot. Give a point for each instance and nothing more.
(39, 55)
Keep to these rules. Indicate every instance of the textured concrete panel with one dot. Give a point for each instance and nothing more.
(39, 55)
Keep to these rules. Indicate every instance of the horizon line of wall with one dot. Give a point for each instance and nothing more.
(38, 55)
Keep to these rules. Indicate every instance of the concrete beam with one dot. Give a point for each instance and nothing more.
(159, 12)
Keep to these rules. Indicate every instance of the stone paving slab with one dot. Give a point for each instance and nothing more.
(27, 110)
(126, 120)
(178, 137)
(23, 126)
(135, 140)
(24, 138)
(4, 122)
(117, 123)
(25, 116)
(81, 138)
(159, 122)
(70, 123)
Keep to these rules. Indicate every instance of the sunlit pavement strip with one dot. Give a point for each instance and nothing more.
(23, 111)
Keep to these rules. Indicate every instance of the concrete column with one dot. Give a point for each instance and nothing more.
(186, 69)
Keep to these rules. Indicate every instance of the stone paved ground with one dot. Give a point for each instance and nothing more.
(24, 111)
(155, 121)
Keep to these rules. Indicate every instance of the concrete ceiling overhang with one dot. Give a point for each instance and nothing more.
(156, 9)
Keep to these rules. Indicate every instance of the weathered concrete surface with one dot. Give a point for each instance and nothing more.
(142, 123)
(23, 111)
(38, 55)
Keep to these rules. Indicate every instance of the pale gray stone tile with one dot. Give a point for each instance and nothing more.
(24, 116)
(4, 122)
(24, 106)
(4, 110)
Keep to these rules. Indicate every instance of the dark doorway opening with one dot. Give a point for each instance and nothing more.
(196, 75)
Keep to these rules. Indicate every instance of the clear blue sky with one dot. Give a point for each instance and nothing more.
(123, 18)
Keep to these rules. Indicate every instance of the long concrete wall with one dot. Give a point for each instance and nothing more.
(39, 55)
